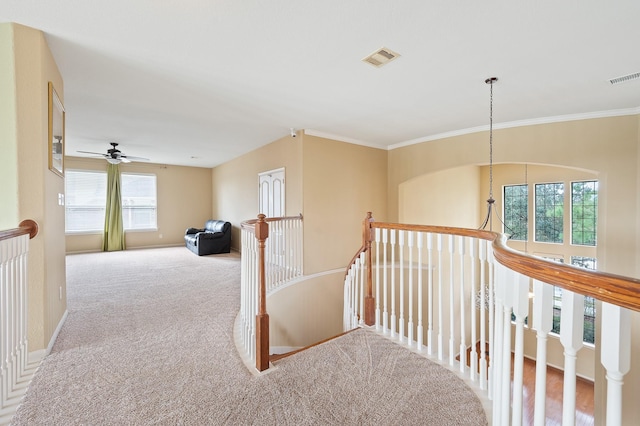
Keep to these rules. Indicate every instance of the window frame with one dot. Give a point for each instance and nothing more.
(504, 211)
(155, 184)
(100, 229)
(571, 219)
(535, 208)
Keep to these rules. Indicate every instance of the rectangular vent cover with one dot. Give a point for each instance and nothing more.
(625, 78)
(381, 57)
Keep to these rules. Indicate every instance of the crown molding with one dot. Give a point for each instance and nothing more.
(520, 123)
(340, 138)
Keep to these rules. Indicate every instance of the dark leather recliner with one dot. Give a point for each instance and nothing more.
(213, 239)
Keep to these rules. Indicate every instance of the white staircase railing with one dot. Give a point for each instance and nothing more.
(458, 294)
(15, 371)
(271, 256)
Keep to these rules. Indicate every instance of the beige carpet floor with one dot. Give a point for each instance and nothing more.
(149, 341)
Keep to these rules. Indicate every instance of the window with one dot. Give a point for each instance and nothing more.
(86, 193)
(138, 201)
(549, 212)
(548, 227)
(516, 215)
(85, 196)
(588, 332)
(584, 210)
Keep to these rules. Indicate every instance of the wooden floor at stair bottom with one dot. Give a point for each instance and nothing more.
(555, 384)
(555, 378)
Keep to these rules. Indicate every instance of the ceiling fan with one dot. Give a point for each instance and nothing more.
(115, 156)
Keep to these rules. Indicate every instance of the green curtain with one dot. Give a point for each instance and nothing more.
(113, 228)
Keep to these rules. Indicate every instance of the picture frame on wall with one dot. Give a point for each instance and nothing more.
(56, 132)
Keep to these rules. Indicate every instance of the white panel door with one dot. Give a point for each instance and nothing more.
(272, 191)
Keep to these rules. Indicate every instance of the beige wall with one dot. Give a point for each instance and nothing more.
(333, 184)
(235, 183)
(303, 314)
(607, 147)
(31, 190)
(184, 200)
(446, 198)
(8, 132)
(342, 182)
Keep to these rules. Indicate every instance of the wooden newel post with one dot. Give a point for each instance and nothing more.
(262, 318)
(369, 300)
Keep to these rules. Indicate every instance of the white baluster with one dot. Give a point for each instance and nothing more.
(542, 323)
(430, 296)
(463, 331)
(508, 277)
(410, 317)
(440, 301)
(377, 239)
(362, 285)
(473, 362)
(346, 311)
(521, 311)
(385, 314)
(616, 356)
(401, 329)
(492, 326)
(420, 330)
(497, 342)
(451, 301)
(393, 283)
(482, 256)
(571, 331)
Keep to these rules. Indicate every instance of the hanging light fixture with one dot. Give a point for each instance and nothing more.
(490, 201)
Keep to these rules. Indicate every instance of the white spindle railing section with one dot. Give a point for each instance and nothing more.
(469, 286)
(248, 293)
(15, 371)
(280, 263)
(283, 252)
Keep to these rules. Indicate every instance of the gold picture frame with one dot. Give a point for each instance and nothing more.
(56, 132)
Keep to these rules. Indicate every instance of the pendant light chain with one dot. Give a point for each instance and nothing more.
(488, 219)
(490, 81)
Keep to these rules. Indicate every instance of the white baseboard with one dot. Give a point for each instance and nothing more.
(36, 356)
(277, 350)
(56, 332)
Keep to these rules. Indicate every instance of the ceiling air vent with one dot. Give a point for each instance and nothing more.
(625, 78)
(380, 57)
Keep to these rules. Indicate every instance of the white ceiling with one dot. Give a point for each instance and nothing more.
(199, 82)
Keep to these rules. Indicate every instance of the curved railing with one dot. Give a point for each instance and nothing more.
(271, 255)
(15, 372)
(451, 291)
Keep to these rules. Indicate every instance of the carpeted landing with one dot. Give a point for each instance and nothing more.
(149, 340)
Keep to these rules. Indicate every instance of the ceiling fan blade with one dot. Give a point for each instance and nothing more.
(130, 157)
(124, 159)
(95, 153)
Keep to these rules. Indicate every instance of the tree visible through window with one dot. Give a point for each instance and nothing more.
(516, 213)
(549, 212)
(589, 328)
(549, 217)
(584, 210)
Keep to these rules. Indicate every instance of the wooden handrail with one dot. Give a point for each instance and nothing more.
(27, 226)
(611, 288)
(615, 289)
(250, 223)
